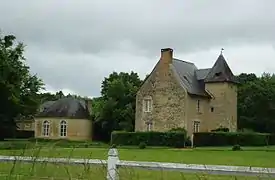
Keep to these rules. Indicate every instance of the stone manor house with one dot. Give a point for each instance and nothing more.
(178, 94)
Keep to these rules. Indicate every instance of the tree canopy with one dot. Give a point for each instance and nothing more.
(18, 87)
(115, 109)
(256, 102)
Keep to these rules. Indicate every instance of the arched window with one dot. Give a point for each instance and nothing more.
(63, 128)
(46, 128)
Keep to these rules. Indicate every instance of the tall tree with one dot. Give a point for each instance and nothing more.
(18, 88)
(47, 96)
(256, 102)
(115, 110)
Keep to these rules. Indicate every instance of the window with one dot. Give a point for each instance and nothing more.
(149, 126)
(147, 104)
(196, 126)
(63, 128)
(218, 73)
(46, 128)
(212, 109)
(198, 106)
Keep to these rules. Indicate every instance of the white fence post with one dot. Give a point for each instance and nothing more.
(112, 170)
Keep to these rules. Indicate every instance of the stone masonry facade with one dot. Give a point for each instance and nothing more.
(174, 105)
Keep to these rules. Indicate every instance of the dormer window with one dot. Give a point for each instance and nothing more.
(218, 73)
(186, 79)
(147, 104)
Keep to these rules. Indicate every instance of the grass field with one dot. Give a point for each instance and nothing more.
(250, 156)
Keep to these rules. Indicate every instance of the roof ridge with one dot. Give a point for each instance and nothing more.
(203, 69)
(182, 61)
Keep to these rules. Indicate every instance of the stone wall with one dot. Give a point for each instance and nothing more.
(27, 125)
(168, 99)
(194, 115)
(173, 107)
(77, 129)
(224, 104)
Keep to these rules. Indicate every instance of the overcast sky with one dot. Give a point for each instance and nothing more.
(73, 44)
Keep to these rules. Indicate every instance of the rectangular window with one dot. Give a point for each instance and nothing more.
(198, 106)
(212, 109)
(196, 126)
(147, 105)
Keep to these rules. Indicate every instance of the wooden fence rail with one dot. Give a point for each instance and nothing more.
(113, 164)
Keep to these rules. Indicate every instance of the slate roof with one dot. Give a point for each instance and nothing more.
(66, 107)
(220, 72)
(202, 73)
(45, 105)
(194, 79)
(186, 72)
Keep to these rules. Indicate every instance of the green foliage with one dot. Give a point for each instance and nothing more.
(65, 143)
(18, 88)
(21, 134)
(179, 129)
(115, 109)
(236, 147)
(221, 129)
(142, 145)
(171, 139)
(256, 102)
(18, 134)
(232, 138)
(9, 145)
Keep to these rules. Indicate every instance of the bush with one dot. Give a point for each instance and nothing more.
(236, 147)
(183, 130)
(171, 139)
(188, 142)
(232, 138)
(67, 143)
(221, 129)
(142, 145)
(21, 134)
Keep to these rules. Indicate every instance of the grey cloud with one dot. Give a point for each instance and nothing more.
(79, 72)
(95, 26)
(74, 44)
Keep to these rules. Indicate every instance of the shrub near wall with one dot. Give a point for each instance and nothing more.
(21, 134)
(232, 138)
(170, 139)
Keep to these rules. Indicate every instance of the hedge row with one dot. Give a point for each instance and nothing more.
(21, 134)
(170, 139)
(66, 143)
(37, 142)
(232, 138)
(18, 134)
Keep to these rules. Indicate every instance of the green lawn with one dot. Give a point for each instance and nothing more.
(259, 156)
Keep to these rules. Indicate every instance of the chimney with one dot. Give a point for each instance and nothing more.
(166, 56)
